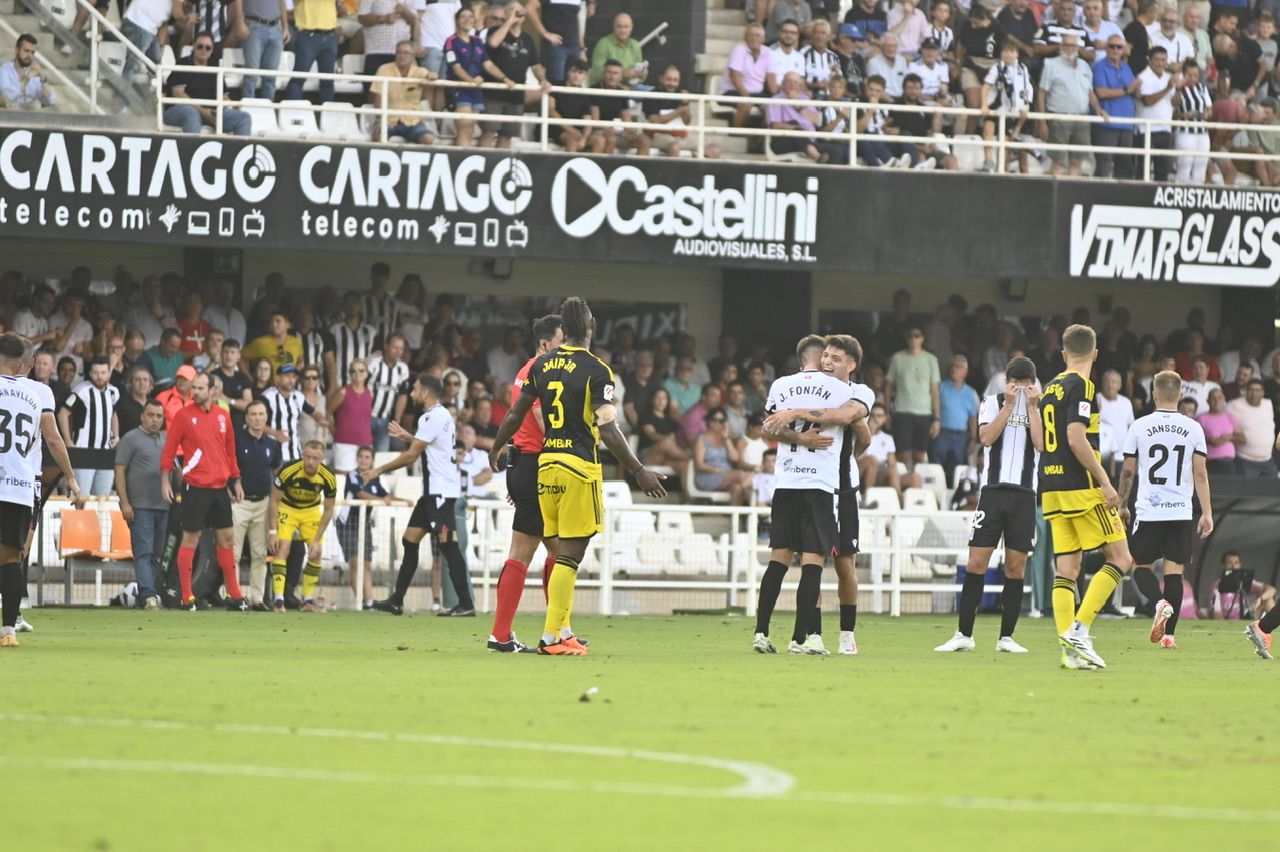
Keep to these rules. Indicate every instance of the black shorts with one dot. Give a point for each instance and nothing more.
(15, 523)
(1005, 512)
(911, 432)
(1152, 540)
(434, 513)
(803, 521)
(522, 488)
(205, 508)
(847, 523)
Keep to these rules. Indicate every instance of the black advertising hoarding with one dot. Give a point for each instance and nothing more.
(278, 194)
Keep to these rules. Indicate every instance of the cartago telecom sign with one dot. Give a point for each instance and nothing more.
(1184, 235)
(233, 191)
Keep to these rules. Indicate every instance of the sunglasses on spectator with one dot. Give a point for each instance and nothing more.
(715, 420)
(455, 384)
(312, 378)
(1115, 47)
(204, 47)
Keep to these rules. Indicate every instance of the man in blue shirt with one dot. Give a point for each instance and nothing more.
(1114, 84)
(959, 418)
(259, 455)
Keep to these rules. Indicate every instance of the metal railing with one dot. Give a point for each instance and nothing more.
(702, 106)
(902, 554)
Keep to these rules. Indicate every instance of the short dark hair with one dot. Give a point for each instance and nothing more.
(1230, 553)
(158, 404)
(577, 65)
(255, 402)
(544, 328)
(610, 63)
(12, 347)
(380, 267)
(717, 411)
(1255, 381)
(915, 78)
(431, 383)
(876, 78)
(1157, 49)
(170, 332)
(848, 343)
(98, 361)
(231, 343)
(1020, 368)
(809, 341)
(27, 38)
(66, 359)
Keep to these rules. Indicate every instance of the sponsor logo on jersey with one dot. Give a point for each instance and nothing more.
(543, 488)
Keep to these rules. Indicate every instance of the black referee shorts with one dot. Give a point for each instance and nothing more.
(206, 508)
(1170, 540)
(522, 488)
(1008, 513)
(847, 523)
(803, 520)
(15, 523)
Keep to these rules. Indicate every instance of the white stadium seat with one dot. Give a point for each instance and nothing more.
(297, 120)
(263, 114)
(691, 488)
(285, 64)
(232, 57)
(338, 121)
(885, 499)
(935, 480)
(919, 499)
(351, 64)
(64, 11)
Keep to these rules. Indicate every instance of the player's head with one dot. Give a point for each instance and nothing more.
(809, 351)
(1166, 388)
(1079, 345)
(312, 456)
(549, 332)
(1021, 370)
(202, 390)
(152, 418)
(577, 321)
(427, 390)
(99, 371)
(841, 356)
(11, 351)
(255, 415)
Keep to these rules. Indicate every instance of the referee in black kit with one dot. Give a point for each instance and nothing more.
(1012, 435)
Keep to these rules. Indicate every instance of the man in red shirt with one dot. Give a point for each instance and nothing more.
(522, 490)
(201, 433)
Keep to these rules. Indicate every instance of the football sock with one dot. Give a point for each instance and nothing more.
(408, 567)
(1145, 580)
(11, 588)
(547, 568)
(807, 600)
(815, 624)
(186, 556)
(230, 572)
(848, 617)
(559, 597)
(970, 597)
(1064, 604)
(1271, 620)
(770, 588)
(1173, 594)
(457, 563)
(1010, 605)
(278, 580)
(310, 577)
(1100, 590)
(510, 588)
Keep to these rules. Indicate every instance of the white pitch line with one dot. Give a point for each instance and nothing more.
(757, 780)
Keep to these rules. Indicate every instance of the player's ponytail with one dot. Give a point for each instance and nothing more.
(576, 319)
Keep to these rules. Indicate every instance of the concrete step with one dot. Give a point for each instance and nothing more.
(736, 17)
(725, 32)
(8, 7)
(710, 64)
(722, 46)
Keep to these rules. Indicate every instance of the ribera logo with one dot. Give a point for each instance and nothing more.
(755, 221)
(1191, 235)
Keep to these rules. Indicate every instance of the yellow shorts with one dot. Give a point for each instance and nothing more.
(1086, 531)
(571, 499)
(304, 523)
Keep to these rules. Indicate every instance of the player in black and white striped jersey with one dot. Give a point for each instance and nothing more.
(88, 421)
(388, 372)
(1012, 436)
(353, 339)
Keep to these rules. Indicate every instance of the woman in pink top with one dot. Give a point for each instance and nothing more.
(1221, 433)
(351, 410)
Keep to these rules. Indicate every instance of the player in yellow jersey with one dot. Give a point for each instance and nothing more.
(1078, 499)
(575, 389)
(296, 497)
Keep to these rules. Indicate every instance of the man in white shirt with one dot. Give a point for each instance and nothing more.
(1115, 415)
(934, 74)
(73, 330)
(786, 57)
(1257, 419)
(1099, 28)
(22, 83)
(435, 26)
(1155, 102)
(32, 321)
(890, 65)
(1167, 34)
(1200, 385)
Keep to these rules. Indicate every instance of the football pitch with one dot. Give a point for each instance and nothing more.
(221, 731)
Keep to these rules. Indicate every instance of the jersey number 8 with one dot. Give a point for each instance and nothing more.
(1050, 430)
(556, 416)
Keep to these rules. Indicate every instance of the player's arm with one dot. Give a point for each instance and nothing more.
(606, 421)
(846, 415)
(1200, 474)
(988, 432)
(172, 441)
(861, 437)
(1128, 475)
(1078, 441)
(58, 449)
(316, 548)
(273, 517)
(1033, 413)
(813, 439)
(510, 423)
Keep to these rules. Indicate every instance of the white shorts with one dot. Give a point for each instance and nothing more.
(344, 457)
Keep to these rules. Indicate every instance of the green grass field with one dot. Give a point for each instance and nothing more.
(220, 731)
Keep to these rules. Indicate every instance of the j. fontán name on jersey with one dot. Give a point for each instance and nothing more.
(1226, 236)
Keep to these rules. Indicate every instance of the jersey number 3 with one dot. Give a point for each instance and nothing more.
(555, 417)
(18, 428)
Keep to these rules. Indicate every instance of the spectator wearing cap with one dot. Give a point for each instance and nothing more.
(787, 117)
(164, 359)
(1114, 85)
(905, 21)
(1066, 88)
(749, 66)
(1257, 421)
(820, 62)
(934, 73)
(285, 407)
(849, 47)
(179, 395)
(890, 65)
(786, 57)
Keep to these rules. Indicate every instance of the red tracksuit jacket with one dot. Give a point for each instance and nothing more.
(207, 444)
